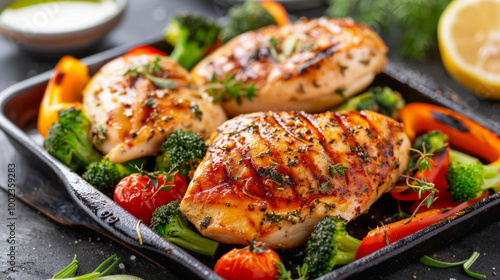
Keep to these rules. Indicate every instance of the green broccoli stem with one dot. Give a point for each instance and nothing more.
(462, 157)
(349, 243)
(342, 258)
(348, 246)
(491, 175)
(178, 233)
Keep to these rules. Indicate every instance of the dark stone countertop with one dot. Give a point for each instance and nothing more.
(44, 246)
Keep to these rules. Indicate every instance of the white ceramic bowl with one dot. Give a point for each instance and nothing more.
(58, 42)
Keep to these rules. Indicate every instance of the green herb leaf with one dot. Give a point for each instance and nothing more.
(337, 169)
(285, 274)
(469, 263)
(228, 88)
(160, 82)
(435, 263)
(68, 270)
(324, 186)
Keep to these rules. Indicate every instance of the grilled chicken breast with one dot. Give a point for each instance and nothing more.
(311, 65)
(277, 174)
(131, 115)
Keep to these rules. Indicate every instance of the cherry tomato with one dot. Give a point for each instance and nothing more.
(132, 195)
(140, 50)
(251, 262)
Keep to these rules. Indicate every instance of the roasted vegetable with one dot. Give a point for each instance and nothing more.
(463, 133)
(251, 15)
(63, 91)
(192, 37)
(182, 150)
(379, 99)
(468, 178)
(104, 175)
(68, 140)
(255, 261)
(382, 236)
(328, 246)
(172, 224)
(142, 193)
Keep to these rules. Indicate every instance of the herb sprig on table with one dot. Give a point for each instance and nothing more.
(416, 21)
(100, 272)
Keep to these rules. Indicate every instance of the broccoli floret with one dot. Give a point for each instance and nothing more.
(182, 150)
(329, 245)
(432, 141)
(379, 99)
(104, 175)
(68, 140)
(172, 224)
(468, 178)
(246, 17)
(191, 36)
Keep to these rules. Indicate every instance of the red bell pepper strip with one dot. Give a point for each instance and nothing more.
(464, 134)
(140, 50)
(437, 175)
(378, 238)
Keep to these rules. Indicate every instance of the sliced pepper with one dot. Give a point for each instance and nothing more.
(382, 236)
(464, 134)
(276, 10)
(437, 175)
(140, 50)
(63, 91)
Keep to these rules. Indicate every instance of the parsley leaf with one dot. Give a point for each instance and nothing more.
(228, 88)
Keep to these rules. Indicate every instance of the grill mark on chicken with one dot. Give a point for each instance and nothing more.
(329, 51)
(334, 157)
(280, 169)
(371, 129)
(309, 163)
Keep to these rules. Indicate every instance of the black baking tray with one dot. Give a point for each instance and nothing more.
(18, 113)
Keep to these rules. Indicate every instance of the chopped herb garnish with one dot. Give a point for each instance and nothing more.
(324, 186)
(273, 217)
(155, 68)
(228, 88)
(195, 110)
(337, 169)
(98, 135)
(340, 92)
(149, 102)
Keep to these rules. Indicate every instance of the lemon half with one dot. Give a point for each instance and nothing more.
(469, 42)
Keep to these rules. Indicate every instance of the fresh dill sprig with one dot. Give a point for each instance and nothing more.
(415, 21)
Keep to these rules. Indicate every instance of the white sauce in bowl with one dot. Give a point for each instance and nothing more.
(57, 16)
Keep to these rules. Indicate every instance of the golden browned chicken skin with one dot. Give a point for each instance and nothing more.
(277, 174)
(310, 65)
(135, 115)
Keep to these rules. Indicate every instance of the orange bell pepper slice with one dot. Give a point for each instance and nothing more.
(379, 237)
(464, 134)
(63, 91)
(276, 10)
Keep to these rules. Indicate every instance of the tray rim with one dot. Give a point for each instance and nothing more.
(430, 89)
